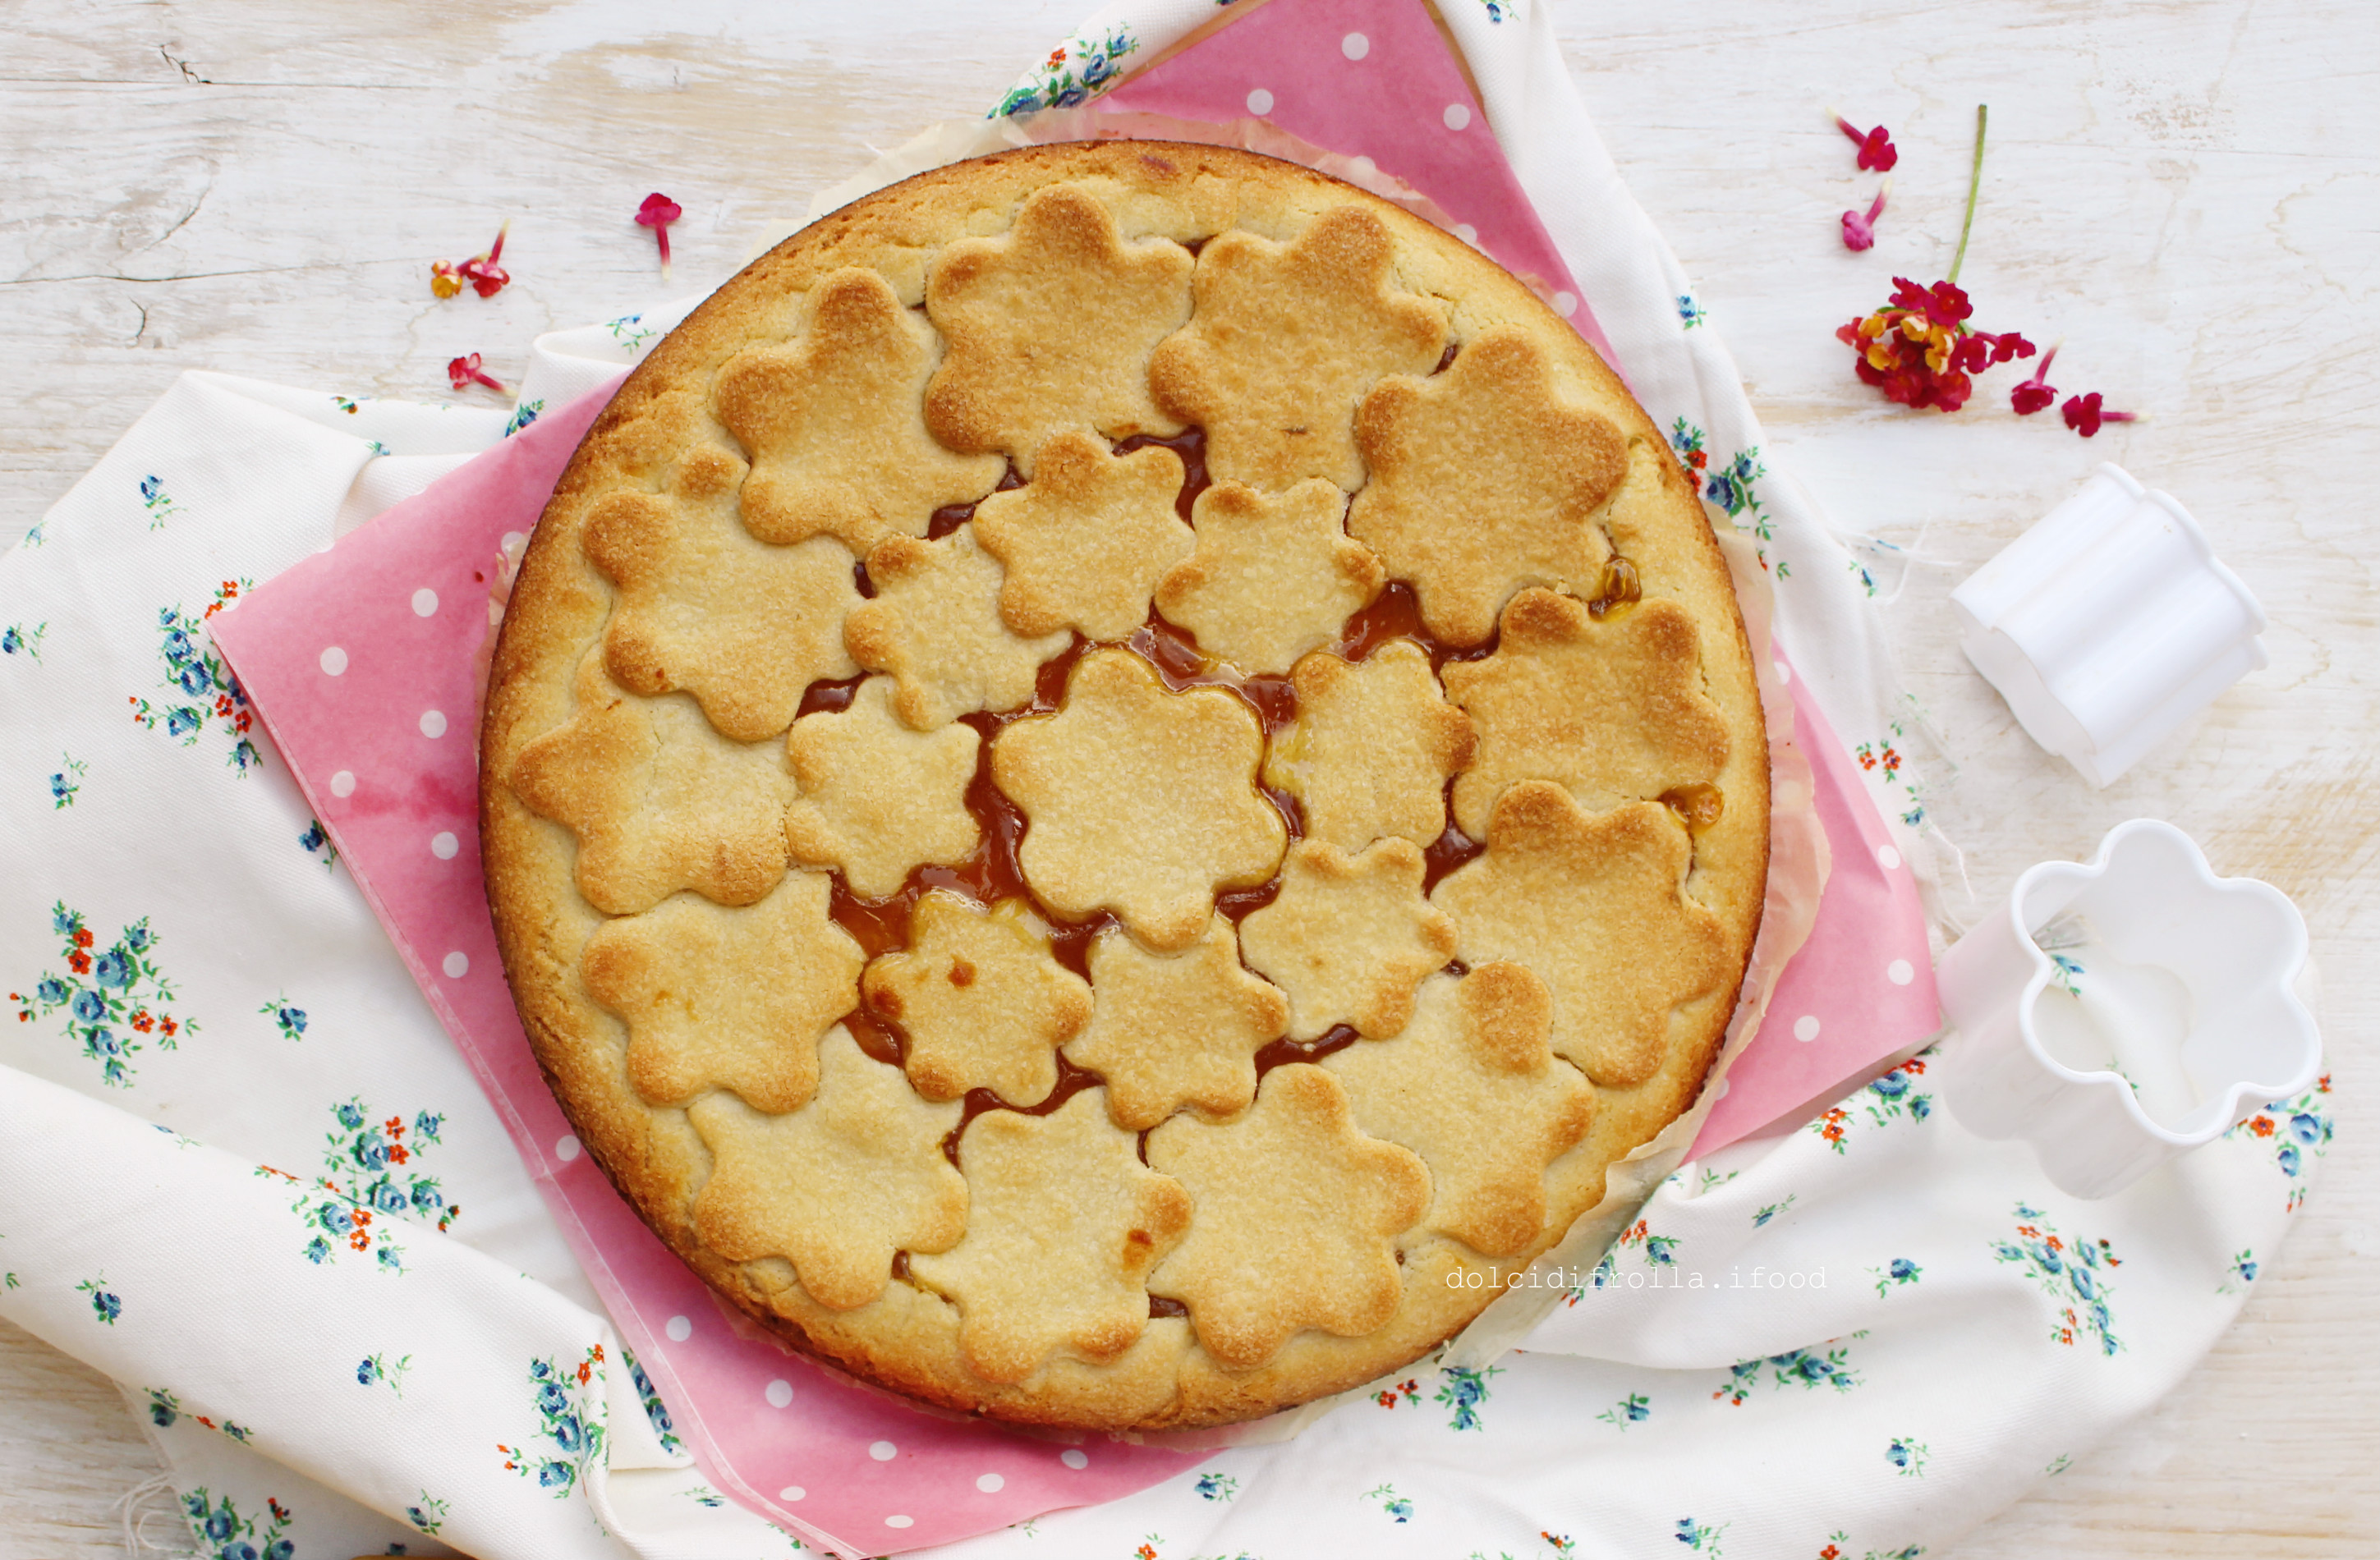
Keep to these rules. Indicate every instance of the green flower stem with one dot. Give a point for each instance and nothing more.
(1974, 183)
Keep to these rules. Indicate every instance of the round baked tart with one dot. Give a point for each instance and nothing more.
(1112, 781)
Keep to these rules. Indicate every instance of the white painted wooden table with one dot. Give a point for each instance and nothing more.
(2186, 192)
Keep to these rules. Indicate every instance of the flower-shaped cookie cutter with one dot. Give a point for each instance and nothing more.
(2162, 1010)
(2108, 623)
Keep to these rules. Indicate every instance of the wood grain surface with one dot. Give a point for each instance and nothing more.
(2187, 193)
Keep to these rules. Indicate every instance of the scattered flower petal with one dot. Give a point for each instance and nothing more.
(658, 211)
(1859, 232)
(2084, 414)
(468, 371)
(486, 277)
(2037, 392)
(1876, 153)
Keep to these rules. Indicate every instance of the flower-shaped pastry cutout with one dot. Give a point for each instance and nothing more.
(833, 426)
(1472, 1087)
(878, 798)
(1086, 542)
(1274, 576)
(1050, 326)
(728, 998)
(1595, 906)
(1349, 937)
(1484, 480)
(1063, 1224)
(1371, 748)
(983, 1004)
(836, 1187)
(658, 800)
(1296, 1216)
(1170, 1030)
(1613, 710)
(743, 626)
(1140, 801)
(934, 624)
(1283, 340)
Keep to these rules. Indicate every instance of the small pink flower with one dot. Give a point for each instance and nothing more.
(486, 277)
(658, 211)
(468, 371)
(1859, 232)
(1876, 153)
(2037, 392)
(2083, 414)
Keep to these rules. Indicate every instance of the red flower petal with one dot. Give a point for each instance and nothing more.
(658, 211)
(1859, 232)
(1948, 304)
(1876, 153)
(2081, 413)
(2011, 345)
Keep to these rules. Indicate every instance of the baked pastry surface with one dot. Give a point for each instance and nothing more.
(1113, 780)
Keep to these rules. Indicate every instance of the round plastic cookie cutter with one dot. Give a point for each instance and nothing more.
(2108, 623)
(2118, 1012)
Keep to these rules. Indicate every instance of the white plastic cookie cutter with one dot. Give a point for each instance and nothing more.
(2109, 623)
(2118, 1012)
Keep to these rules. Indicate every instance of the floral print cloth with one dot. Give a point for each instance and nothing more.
(244, 1172)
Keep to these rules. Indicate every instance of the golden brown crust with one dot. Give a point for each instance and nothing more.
(1300, 1209)
(935, 625)
(1086, 542)
(1063, 1225)
(1613, 710)
(835, 427)
(1472, 1086)
(1139, 799)
(1050, 326)
(727, 998)
(1046, 327)
(1284, 339)
(1170, 1030)
(1372, 747)
(1596, 905)
(1485, 478)
(878, 798)
(835, 1189)
(1349, 937)
(1274, 576)
(983, 1004)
